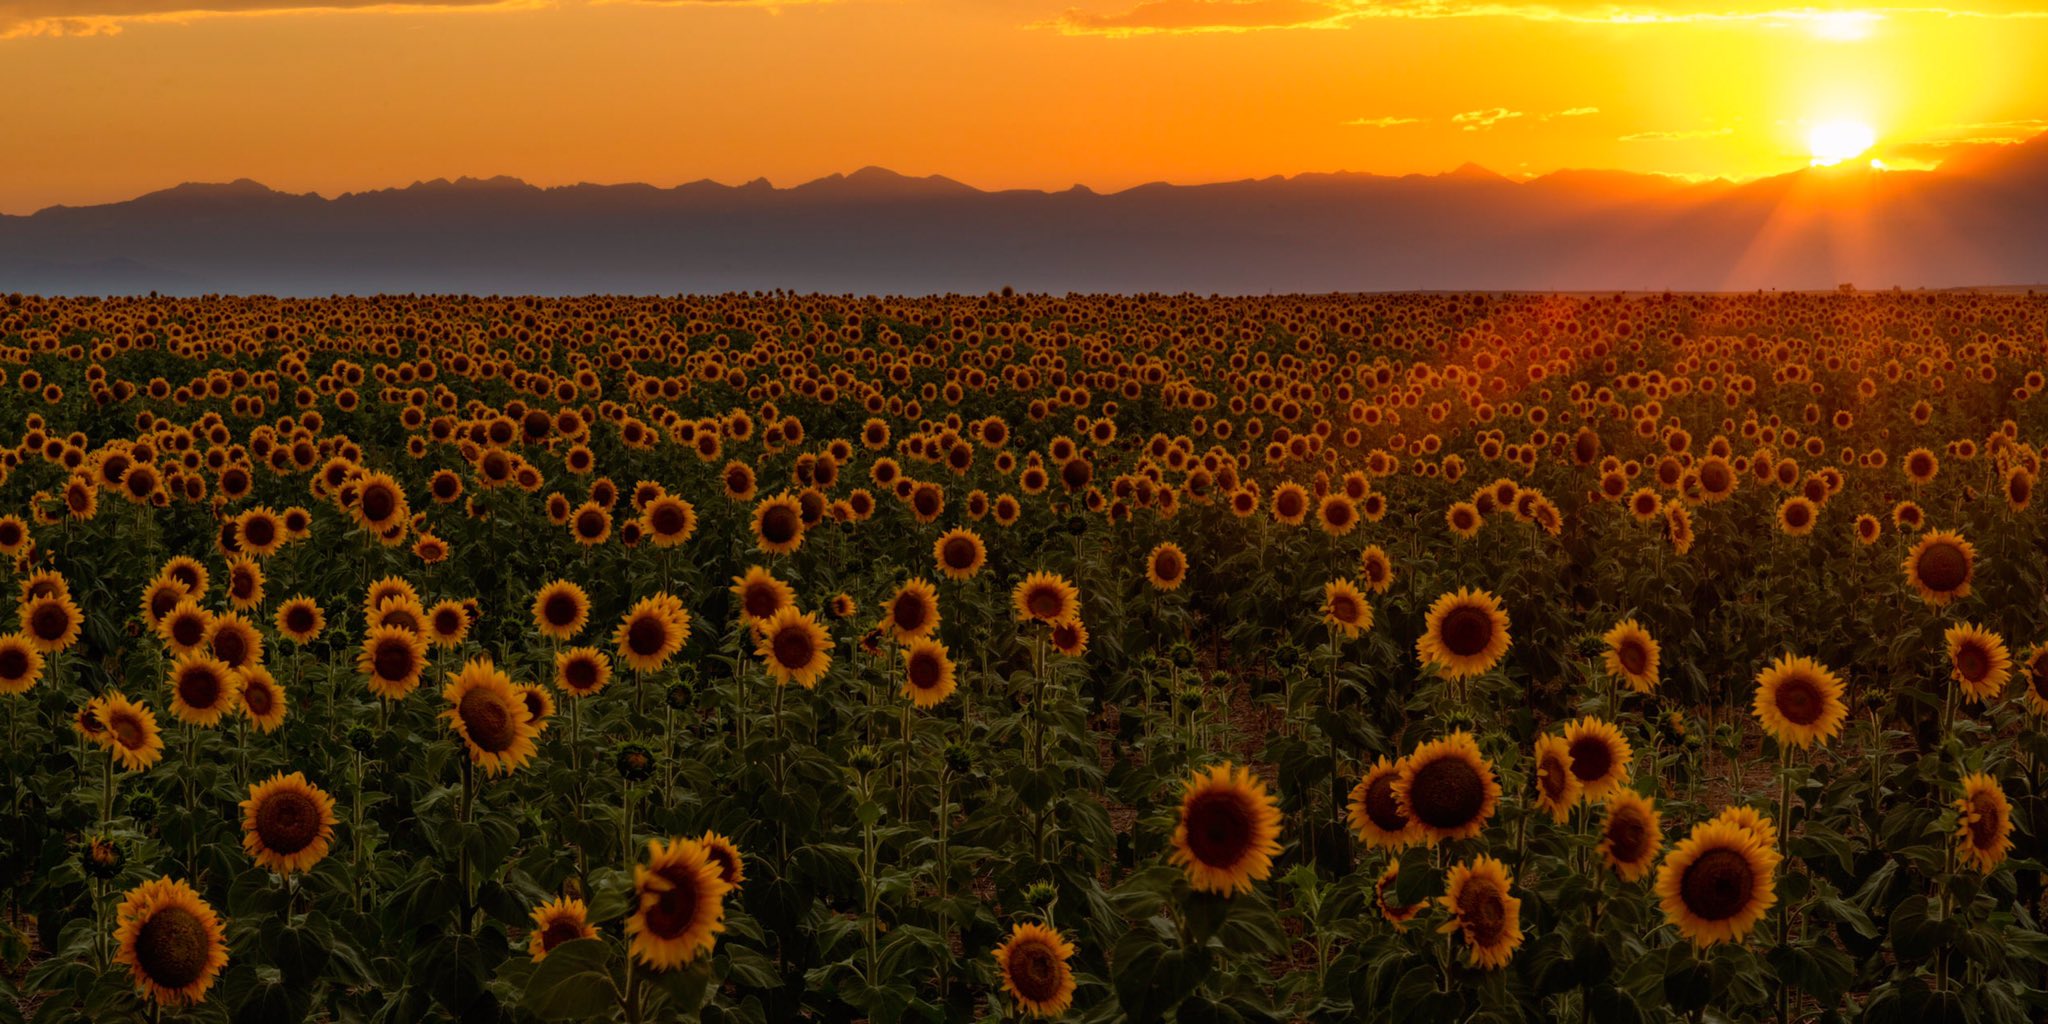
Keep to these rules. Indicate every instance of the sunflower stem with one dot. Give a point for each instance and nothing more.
(1784, 844)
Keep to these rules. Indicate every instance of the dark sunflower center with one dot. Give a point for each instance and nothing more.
(288, 821)
(447, 622)
(2038, 678)
(1219, 829)
(1290, 505)
(925, 671)
(675, 910)
(1973, 662)
(1795, 515)
(590, 523)
(1446, 793)
(199, 688)
(779, 524)
(667, 519)
(298, 619)
(49, 621)
(1467, 631)
(1035, 972)
(1634, 658)
(257, 699)
(560, 609)
(487, 719)
(728, 865)
(1551, 774)
(558, 931)
(259, 532)
(1343, 608)
(1628, 835)
(1482, 911)
(172, 947)
(394, 660)
(188, 631)
(1045, 602)
(958, 553)
(1799, 700)
(1943, 567)
(792, 647)
(127, 730)
(909, 614)
(1718, 885)
(13, 663)
(580, 673)
(1168, 566)
(1592, 759)
(1337, 513)
(645, 637)
(378, 504)
(231, 647)
(1985, 821)
(1381, 807)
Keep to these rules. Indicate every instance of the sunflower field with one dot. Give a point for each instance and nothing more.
(765, 658)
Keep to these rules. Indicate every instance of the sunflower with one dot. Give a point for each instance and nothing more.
(1631, 835)
(560, 610)
(1046, 597)
(392, 659)
(557, 921)
(1345, 608)
(131, 731)
(1983, 823)
(1557, 788)
(1751, 820)
(1940, 566)
(1375, 570)
(245, 582)
(1290, 503)
(490, 715)
(927, 673)
(582, 671)
(540, 705)
(387, 589)
(670, 520)
(1600, 756)
(300, 619)
(792, 646)
(202, 689)
(1229, 830)
(171, 942)
(1069, 638)
(21, 665)
(162, 595)
(1447, 788)
(1796, 515)
(1482, 909)
(679, 904)
(1383, 895)
(912, 613)
(403, 612)
(51, 622)
(732, 867)
(379, 503)
(2037, 679)
(1717, 884)
(1978, 661)
(651, 632)
(1798, 700)
(189, 571)
(1464, 519)
(234, 640)
(87, 722)
(1033, 965)
(448, 623)
(778, 525)
(1376, 814)
(760, 595)
(1166, 568)
(263, 699)
(590, 524)
(1465, 634)
(287, 823)
(959, 553)
(1632, 655)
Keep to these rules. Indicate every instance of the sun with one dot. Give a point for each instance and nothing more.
(1832, 142)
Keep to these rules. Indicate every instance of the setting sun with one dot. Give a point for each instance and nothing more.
(1832, 142)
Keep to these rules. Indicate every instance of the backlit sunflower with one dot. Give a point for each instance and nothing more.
(287, 823)
(1983, 823)
(490, 715)
(778, 525)
(651, 632)
(1631, 835)
(21, 665)
(1600, 756)
(1375, 813)
(171, 942)
(391, 660)
(131, 731)
(1798, 700)
(560, 610)
(911, 613)
(1045, 597)
(300, 619)
(1978, 661)
(263, 700)
(582, 671)
(1940, 566)
(1166, 568)
(1717, 883)
(959, 553)
(927, 673)
(1557, 788)
(1484, 911)
(1345, 608)
(1447, 788)
(1033, 964)
(51, 622)
(1464, 635)
(679, 904)
(1632, 655)
(792, 646)
(1229, 830)
(732, 866)
(557, 921)
(202, 689)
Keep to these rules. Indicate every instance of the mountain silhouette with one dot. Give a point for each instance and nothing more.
(1979, 222)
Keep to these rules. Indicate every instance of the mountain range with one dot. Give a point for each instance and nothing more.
(1976, 222)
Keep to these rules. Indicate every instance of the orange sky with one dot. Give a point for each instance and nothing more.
(111, 98)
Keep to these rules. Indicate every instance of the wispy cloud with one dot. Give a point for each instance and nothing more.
(1155, 17)
(1578, 112)
(1677, 136)
(1383, 122)
(1480, 120)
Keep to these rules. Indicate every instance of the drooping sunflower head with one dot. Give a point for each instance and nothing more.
(287, 823)
(1447, 788)
(1032, 962)
(1799, 701)
(1717, 883)
(1978, 661)
(582, 671)
(1631, 835)
(1484, 912)
(1166, 568)
(1229, 830)
(912, 612)
(202, 689)
(1983, 823)
(490, 716)
(793, 647)
(1045, 597)
(391, 660)
(1557, 787)
(171, 941)
(564, 919)
(1465, 634)
(1600, 756)
(679, 904)
(1375, 812)
(959, 553)
(1632, 655)
(1345, 608)
(1940, 567)
(21, 664)
(928, 677)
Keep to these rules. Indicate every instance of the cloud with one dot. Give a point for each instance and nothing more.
(1156, 17)
(1479, 120)
(1383, 122)
(1578, 112)
(1677, 136)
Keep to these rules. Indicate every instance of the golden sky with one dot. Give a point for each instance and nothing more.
(111, 98)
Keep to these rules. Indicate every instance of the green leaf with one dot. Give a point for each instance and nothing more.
(571, 981)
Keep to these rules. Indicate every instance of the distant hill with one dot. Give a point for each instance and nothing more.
(1980, 223)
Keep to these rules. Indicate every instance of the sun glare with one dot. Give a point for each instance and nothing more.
(1831, 142)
